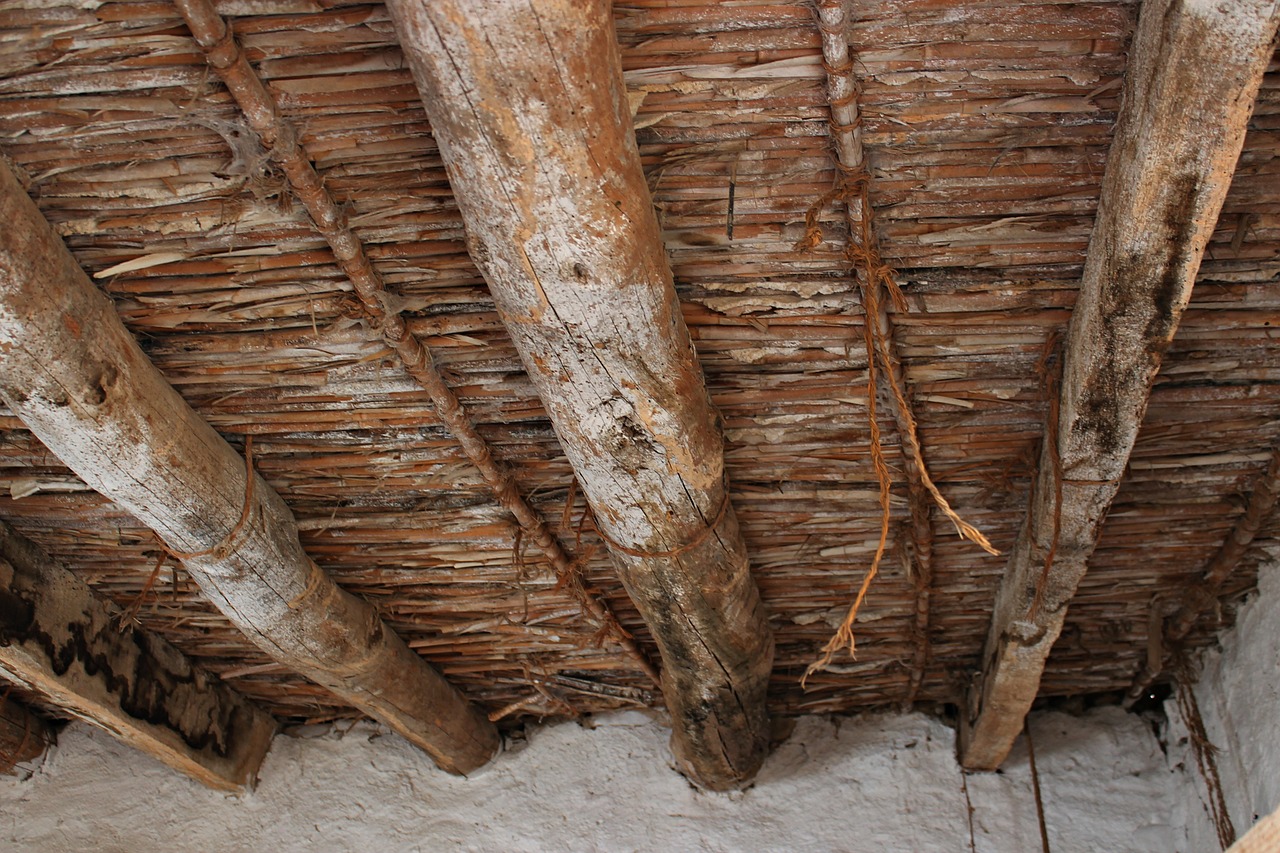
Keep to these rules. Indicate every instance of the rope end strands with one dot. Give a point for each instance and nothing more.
(873, 275)
(874, 278)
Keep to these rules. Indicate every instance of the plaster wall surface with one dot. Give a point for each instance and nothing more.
(1238, 694)
(870, 783)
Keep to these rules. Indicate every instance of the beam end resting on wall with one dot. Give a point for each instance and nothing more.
(70, 646)
(1194, 72)
(73, 373)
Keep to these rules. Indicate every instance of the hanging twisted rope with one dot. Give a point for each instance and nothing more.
(844, 634)
(873, 276)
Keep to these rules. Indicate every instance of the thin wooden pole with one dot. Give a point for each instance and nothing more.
(528, 105)
(1202, 596)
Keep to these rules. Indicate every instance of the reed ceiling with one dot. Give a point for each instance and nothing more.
(987, 127)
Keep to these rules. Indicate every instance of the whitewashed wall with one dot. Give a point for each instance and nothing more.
(1238, 693)
(876, 783)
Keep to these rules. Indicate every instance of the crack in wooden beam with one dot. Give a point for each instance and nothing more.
(258, 105)
(1204, 594)
(1193, 76)
(528, 105)
(81, 653)
(72, 372)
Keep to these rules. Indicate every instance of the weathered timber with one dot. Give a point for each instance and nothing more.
(1194, 73)
(78, 650)
(76, 377)
(259, 107)
(24, 734)
(1199, 598)
(530, 111)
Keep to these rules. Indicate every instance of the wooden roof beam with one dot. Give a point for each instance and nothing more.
(24, 734)
(224, 55)
(75, 649)
(1194, 72)
(1204, 594)
(528, 105)
(76, 377)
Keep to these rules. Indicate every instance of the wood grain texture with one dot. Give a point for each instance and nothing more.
(1194, 73)
(259, 107)
(529, 108)
(83, 654)
(24, 735)
(76, 377)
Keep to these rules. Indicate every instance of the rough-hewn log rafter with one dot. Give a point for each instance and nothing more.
(529, 107)
(1202, 596)
(1194, 72)
(77, 650)
(225, 57)
(76, 377)
(846, 130)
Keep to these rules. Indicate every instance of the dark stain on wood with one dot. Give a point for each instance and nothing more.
(1142, 283)
(146, 693)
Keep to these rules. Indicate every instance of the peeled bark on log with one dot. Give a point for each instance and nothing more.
(1194, 72)
(70, 646)
(72, 372)
(529, 107)
(24, 735)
